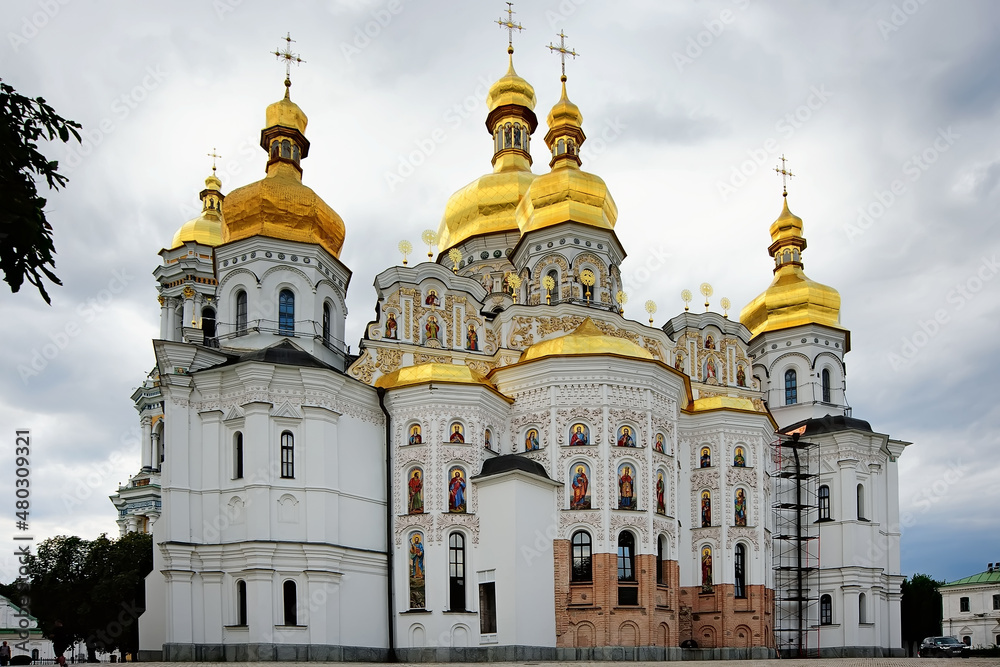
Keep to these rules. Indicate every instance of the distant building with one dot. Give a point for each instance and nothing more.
(36, 645)
(971, 608)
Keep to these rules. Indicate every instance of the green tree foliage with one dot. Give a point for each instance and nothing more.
(96, 588)
(26, 247)
(920, 608)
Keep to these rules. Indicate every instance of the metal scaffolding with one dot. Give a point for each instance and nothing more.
(796, 547)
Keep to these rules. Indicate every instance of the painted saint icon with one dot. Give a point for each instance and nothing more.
(739, 458)
(709, 342)
(706, 569)
(432, 328)
(472, 339)
(710, 370)
(579, 435)
(626, 488)
(415, 492)
(625, 437)
(740, 507)
(417, 598)
(706, 457)
(457, 433)
(432, 299)
(488, 439)
(390, 326)
(531, 440)
(741, 376)
(679, 363)
(658, 445)
(456, 490)
(415, 437)
(706, 509)
(661, 487)
(581, 487)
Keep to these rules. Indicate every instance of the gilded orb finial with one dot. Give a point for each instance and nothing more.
(726, 305)
(213, 155)
(563, 52)
(650, 308)
(549, 283)
(406, 248)
(706, 291)
(429, 237)
(514, 281)
(289, 58)
(622, 298)
(510, 26)
(588, 278)
(785, 174)
(455, 255)
(686, 297)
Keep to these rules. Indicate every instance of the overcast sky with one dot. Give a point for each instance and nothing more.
(887, 112)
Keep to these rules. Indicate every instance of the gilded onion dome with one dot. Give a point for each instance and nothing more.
(207, 227)
(792, 299)
(586, 339)
(487, 204)
(279, 205)
(566, 193)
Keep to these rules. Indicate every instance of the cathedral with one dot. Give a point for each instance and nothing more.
(508, 468)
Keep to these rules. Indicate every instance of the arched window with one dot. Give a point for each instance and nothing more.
(289, 603)
(661, 561)
(238, 455)
(824, 503)
(295, 153)
(286, 148)
(826, 385)
(861, 503)
(286, 313)
(626, 556)
(862, 608)
(555, 279)
(241, 313)
(208, 322)
(517, 135)
(287, 456)
(241, 603)
(582, 568)
(506, 136)
(560, 147)
(791, 387)
(786, 257)
(326, 323)
(740, 576)
(275, 146)
(456, 572)
(34, 654)
(825, 610)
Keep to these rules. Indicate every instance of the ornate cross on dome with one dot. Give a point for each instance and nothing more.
(563, 52)
(213, 155)
(785, 174)
(510, 26)
(288, 57)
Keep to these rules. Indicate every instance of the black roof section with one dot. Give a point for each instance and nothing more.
(284, 353)
(829, 424)
(509, 462)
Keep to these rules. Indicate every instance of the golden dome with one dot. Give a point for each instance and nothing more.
(279, 206)
(566, 193)
(440, 373)
(487, 204)
(510, 89)
(286, 113)
(587, 339)
(207, 227)
(792, 299)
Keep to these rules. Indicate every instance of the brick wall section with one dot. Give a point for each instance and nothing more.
(589, 615)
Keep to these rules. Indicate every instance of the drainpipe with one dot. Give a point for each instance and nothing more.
(390, 592)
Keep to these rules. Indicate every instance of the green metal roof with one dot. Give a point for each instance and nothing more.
(981, 578)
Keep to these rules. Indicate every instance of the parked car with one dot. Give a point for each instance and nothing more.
(943, 647)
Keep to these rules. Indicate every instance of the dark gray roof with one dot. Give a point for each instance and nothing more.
(830, 424)
(509, 462)
(283, 353)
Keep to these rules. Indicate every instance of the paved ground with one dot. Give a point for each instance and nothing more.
(843, 662)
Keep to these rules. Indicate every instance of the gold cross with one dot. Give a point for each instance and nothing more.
(510, 25)
(785, 174)
(288, 57)
(563, 52)
(213, 155)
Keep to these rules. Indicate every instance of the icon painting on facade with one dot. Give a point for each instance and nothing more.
(706, 457)
(661, 487)
(625, 437)
(706, 509)
(417, 596)
(415, 437)
(579, 435)
(626, 487)
(456, 490)
(740, 507)
(415, 492)
(531, 440)
(457, 433)
(390, 326)
(580, 499)
(740, 458)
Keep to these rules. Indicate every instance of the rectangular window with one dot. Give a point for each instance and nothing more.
(487, 608)
(963, 604)
(996, 605)
(824, 503)
(287, 456)
(628, 596)
(456, 572)
(826, 610)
